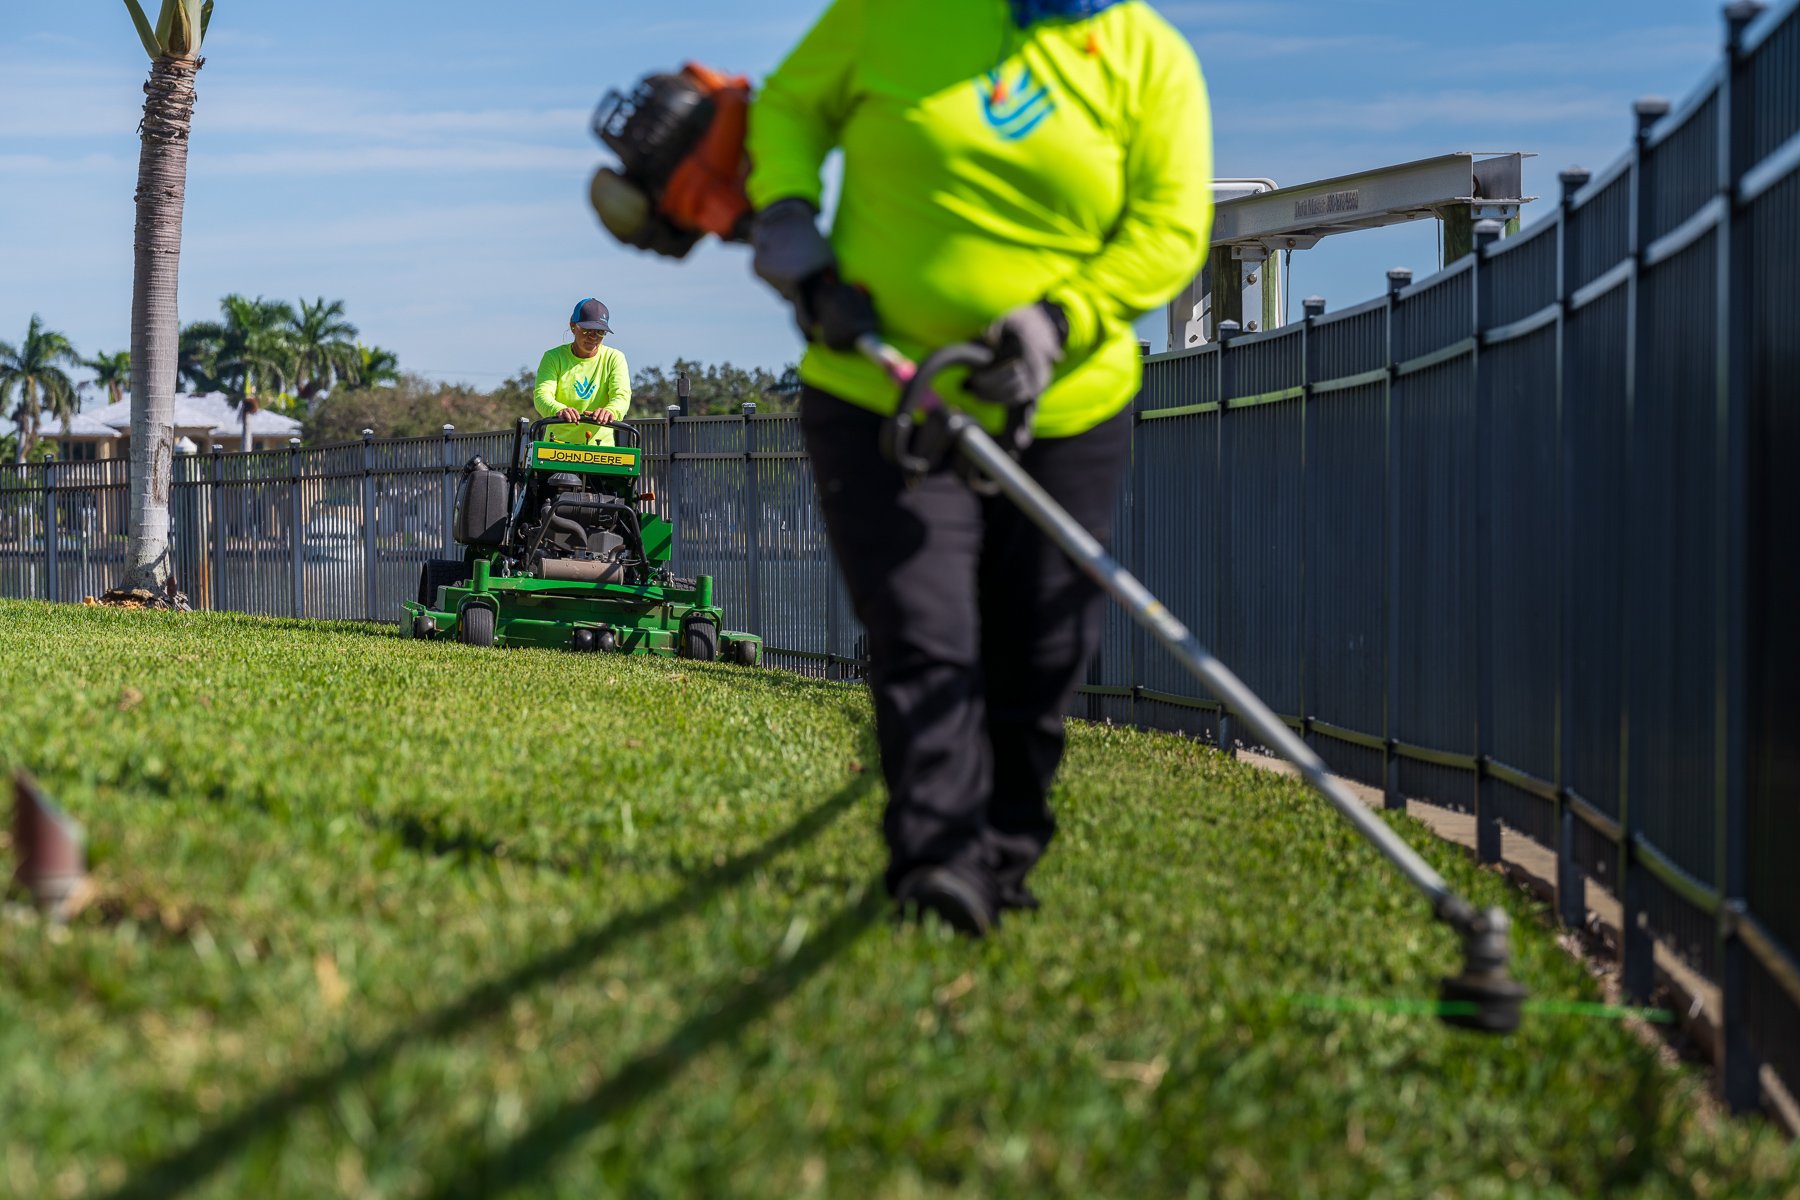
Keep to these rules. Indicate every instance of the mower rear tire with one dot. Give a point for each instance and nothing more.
(700, 640)
(477, 625)
(437, 573)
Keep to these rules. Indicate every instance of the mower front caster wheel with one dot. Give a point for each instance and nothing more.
(424, 627)
(477, 626)
(700, 640)
(745, 653)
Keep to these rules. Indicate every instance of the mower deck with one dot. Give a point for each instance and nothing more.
(551, 614)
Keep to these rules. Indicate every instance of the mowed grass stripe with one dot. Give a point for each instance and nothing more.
(379, 917)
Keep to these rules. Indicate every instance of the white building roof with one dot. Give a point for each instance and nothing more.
(81, 425)
(206, 418)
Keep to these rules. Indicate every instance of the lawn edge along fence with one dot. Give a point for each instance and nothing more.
(1517, 538)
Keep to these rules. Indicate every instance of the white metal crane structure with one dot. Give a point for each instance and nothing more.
(1256, 220)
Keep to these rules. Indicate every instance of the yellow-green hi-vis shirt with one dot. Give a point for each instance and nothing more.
(585, 385)
(986, 167)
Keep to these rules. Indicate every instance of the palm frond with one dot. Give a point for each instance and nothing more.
(145, 31)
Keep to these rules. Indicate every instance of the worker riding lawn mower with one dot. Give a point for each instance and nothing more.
(559, 553)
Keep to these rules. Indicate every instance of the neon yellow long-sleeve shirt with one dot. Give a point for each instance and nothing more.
(986, 167)
(585, 385)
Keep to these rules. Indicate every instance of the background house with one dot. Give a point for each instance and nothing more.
(202, 420)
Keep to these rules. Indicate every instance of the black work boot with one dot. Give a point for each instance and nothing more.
(1018, 896)
(959, 902)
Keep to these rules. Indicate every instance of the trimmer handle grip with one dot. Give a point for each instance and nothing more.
(911, 438)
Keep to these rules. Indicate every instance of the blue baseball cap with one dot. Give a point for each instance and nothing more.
(591, 314)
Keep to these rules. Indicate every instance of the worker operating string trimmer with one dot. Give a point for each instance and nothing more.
(1020, 182)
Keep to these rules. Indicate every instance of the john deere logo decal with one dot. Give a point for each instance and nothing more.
(1017, 107)
(587, 458)
(584, 388)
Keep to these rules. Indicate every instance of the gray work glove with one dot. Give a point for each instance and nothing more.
(794, 257)
(789, 249)
(1027, 344)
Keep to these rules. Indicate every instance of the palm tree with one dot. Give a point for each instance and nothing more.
(173, 44)
(250, 355)
(325, 350)
(34, 374)
(112, 373)
(375, 366)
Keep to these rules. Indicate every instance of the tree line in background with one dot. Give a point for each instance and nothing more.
(259, 354)
(305, 362)
(414, 406)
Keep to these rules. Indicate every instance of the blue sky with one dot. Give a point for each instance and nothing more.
(428, 163)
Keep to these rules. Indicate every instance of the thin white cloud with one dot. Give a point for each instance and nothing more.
(1244, 45)
(1470, 112)
(1674, 47)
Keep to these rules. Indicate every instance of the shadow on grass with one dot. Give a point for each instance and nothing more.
(185, 1169)
(719, 1021)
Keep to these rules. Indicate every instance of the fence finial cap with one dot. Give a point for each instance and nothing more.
(1649, 110)
(1738, 17)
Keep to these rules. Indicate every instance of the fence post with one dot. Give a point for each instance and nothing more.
(369, 521)
(1311, 309)
(1487, 788)
(1637, 952)
(674, 488)
(296, 528)
(1138, 531)
(52, 586)
(1398, 279)
(449, 493)
(1739, 1070)
(216, 588)
(752, 522)
(1571, 880)
(1228, 331)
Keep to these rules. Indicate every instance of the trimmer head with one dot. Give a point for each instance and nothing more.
(1484, 997)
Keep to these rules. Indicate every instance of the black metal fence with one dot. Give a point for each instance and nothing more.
(342, 531)
(1518, 538)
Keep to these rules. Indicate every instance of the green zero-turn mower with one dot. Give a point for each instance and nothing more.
(559, 554)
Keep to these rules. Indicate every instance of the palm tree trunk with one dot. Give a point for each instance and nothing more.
(28, 422)
(245, 410)
(155, 321)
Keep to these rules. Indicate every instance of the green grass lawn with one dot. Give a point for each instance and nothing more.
(388, 918)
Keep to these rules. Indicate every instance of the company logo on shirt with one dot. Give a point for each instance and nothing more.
(584, 388)
(1014, 108)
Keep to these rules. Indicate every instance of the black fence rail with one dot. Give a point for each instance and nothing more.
(1518, 538)
(342, 531)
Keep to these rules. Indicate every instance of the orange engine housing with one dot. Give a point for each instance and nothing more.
(706, 192)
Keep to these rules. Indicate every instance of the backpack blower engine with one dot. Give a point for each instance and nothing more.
(682, 166)
(682, 169)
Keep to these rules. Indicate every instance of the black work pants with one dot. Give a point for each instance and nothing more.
(979, 631)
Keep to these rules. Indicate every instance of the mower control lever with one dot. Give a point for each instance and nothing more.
(542, 423)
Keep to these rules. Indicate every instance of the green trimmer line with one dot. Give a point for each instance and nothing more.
(559, 553)
(925, 432)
